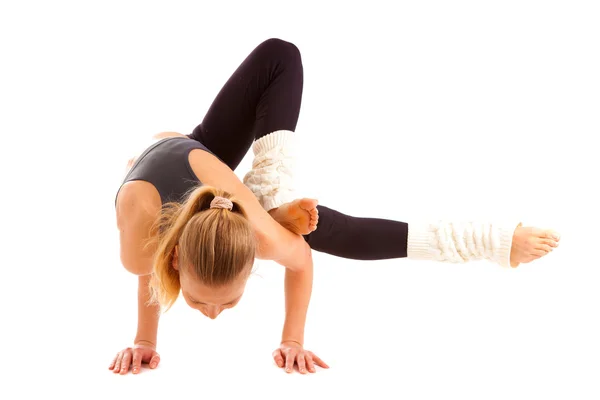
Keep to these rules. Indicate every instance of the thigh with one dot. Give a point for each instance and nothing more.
(262, 95)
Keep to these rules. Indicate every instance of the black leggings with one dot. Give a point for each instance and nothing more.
(264, 95)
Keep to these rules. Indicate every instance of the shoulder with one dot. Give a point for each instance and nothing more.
(274, 241)
(210, 170)
(138, 206)
(137, 199)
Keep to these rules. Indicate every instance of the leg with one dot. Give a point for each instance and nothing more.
(378, 239)
(358, 238)
(262, 96)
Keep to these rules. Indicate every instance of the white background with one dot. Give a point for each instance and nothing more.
(411, 110)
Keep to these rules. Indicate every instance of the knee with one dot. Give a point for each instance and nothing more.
(282, 50)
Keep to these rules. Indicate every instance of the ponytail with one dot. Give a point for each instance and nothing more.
(215, 244)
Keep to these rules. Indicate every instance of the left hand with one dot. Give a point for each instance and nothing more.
(290, 353)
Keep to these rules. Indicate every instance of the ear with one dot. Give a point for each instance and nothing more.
(175, 260)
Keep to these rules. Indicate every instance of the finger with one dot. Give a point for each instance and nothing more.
(154, 360)
(137, 361)
(278, 358)
(113, 362)
(290, 357)
(310, 365)
(125, 362)
(301, 363)
(549, 242)
(117, 367)
(318, 361)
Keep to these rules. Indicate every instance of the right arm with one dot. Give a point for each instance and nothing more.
(148, 315)
(136, 210)
(144, 345)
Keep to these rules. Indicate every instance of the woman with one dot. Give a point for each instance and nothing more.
(188, 225)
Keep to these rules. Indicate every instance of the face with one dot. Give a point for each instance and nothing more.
(209, 301)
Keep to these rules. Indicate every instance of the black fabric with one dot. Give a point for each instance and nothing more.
(166, 166)
(264, 95)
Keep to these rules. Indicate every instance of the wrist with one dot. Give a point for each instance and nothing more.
(145, 342)
(293, 333)
(292, 341)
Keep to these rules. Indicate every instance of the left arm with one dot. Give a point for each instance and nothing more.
(275, 243)
(298, 289)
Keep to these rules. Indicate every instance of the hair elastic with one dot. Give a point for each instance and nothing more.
(221, 202)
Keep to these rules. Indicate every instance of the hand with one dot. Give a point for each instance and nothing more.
(290, 353)
(134, 357)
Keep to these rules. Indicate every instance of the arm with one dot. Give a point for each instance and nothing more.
(298, 288)
(135, 215)
(144, 345)
(275, 242)
(148, 315)
(136, 211)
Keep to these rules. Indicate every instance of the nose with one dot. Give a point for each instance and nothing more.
(213, 312)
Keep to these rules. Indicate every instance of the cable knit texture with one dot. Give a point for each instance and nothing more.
(271, 177)
(461, 242)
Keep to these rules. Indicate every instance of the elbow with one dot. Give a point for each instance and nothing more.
(264, 248)
(305, 260)
(135, 267)
(299, 258)
(292, 252)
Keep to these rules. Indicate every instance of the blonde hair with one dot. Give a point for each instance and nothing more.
(214, 244)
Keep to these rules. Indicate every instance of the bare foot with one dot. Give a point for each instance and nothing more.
(531, 243)
(299, 216)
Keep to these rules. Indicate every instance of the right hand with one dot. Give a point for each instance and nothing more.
(134, 357)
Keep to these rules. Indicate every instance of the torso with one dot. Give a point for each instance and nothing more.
(139, 203)
(149, 183)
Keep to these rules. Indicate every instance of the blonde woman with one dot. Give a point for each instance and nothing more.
(188, 226)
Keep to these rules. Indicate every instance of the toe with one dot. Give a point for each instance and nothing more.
(549, 242)
(545, 248)
(537, 253)
(549, 234)
(308, 204)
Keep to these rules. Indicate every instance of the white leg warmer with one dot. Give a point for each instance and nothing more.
(459, 242)
(272, 169)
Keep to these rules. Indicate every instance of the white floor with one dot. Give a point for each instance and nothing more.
(427, 111)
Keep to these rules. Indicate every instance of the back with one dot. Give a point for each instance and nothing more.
(163, 169)
(166, 166)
